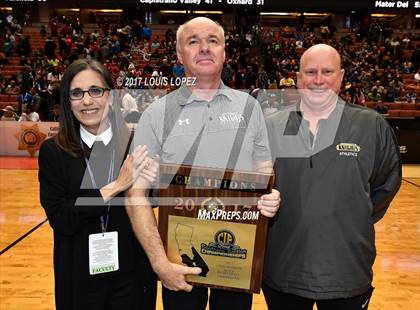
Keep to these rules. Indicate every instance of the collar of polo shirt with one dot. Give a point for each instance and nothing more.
(189, 97)
(338, 110)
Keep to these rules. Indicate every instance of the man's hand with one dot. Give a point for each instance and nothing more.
(269, 204)
(173, 276)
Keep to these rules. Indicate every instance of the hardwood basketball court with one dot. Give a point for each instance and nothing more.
(26, 272)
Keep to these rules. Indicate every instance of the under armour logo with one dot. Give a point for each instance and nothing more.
(185, 121)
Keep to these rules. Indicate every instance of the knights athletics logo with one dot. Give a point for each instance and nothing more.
(348, 149)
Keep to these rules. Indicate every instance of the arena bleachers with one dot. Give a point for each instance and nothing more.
(281, 45)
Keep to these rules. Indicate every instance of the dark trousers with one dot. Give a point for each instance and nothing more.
(125, 291)
(277, 300)
(197, 299)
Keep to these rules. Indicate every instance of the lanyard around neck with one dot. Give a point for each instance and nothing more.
(104, 222)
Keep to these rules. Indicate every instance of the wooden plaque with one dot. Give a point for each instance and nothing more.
(208, 218)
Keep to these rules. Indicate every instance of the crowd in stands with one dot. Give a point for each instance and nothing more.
(377, 61)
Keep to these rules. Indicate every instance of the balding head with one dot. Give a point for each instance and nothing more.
(197, 22)
(319, 77)
(201, 49)
(319, 51)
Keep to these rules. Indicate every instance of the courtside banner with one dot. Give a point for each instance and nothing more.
(24, 138)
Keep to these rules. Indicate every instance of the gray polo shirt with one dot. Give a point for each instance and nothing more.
(219, 120)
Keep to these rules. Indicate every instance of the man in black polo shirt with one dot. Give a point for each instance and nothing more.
(338, 168)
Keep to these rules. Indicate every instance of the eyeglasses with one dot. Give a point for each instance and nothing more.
(94, 92)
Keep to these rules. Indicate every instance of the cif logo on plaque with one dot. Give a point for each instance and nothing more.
(225, 236)
(224, 245)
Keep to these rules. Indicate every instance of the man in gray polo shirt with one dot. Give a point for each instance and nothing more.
(219, 119)
(208, 115)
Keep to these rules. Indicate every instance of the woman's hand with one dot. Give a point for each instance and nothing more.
(138, 171)
(138, 192)
(132, 168)
(151, 169)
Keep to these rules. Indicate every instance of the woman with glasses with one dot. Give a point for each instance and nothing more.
(83, 173)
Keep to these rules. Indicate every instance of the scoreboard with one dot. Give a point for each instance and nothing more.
(208, 2)
(260, 5)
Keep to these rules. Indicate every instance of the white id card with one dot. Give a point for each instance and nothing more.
(103, 252)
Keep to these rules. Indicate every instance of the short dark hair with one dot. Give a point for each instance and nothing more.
(68, 137)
